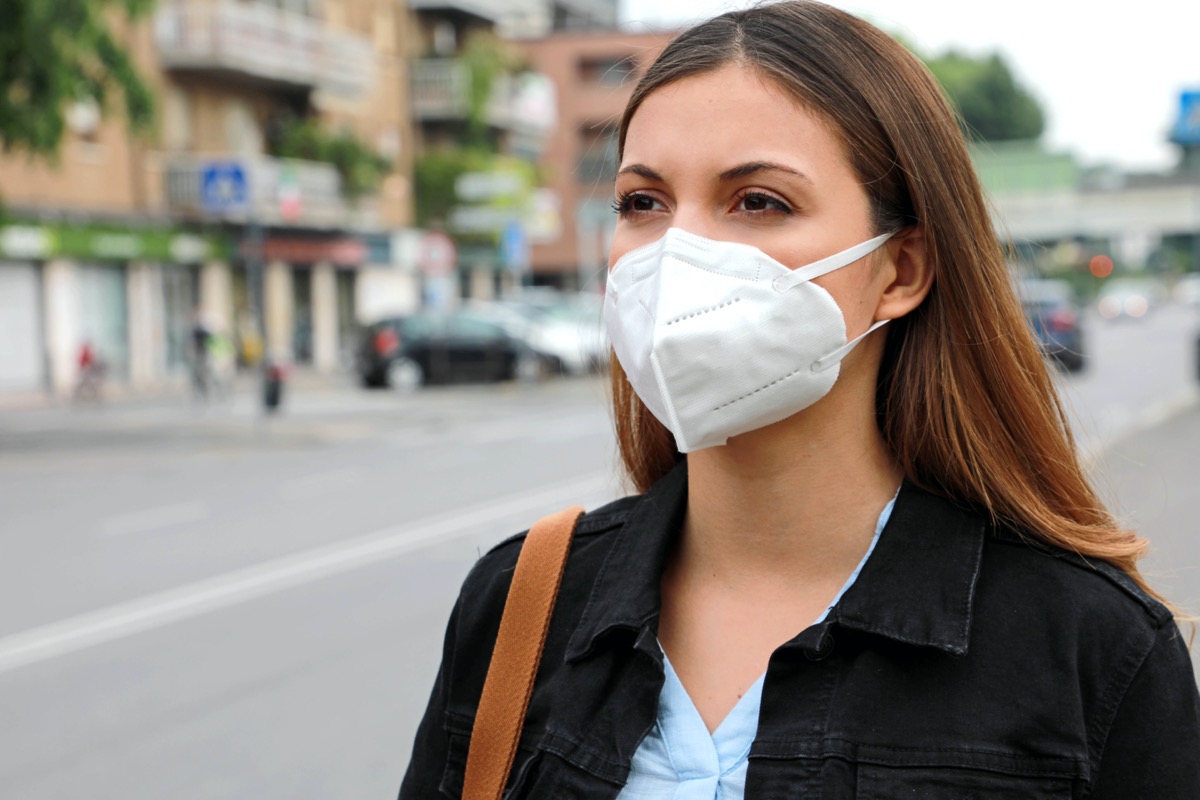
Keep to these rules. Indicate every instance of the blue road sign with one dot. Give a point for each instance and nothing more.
(1187, 126)
(223, 187)
(514, 247)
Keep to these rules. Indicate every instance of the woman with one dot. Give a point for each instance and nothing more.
(866, 562)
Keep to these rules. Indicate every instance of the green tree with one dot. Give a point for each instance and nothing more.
(993, 106)
(486, 58)
(55, 52)
(360, 167)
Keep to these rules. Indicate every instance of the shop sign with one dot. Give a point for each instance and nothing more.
(108, 244)
(115, 246)
(343, 251)
(24, 241)
(482, 186)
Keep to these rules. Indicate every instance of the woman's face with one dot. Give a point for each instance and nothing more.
(728, 155)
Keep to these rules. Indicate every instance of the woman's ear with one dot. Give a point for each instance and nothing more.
(908, 274)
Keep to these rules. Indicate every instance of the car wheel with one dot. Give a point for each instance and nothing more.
(405, 375)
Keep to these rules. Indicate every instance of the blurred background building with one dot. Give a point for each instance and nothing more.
(316, 165)
(594, 73)
(281, 141)
(1061, 214)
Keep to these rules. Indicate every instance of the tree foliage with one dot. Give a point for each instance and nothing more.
(486, 58)
(361, 168)
(56, 52)
(993, 106)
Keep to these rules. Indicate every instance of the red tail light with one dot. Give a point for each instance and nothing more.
(1063, 319)
(387, 342)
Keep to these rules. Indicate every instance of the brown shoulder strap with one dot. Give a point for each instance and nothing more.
(518, 650)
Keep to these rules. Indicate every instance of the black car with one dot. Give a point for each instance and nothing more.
(1055, 316)
(423, 348)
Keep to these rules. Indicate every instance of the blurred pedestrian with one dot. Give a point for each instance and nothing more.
(90, 370)
(866, 561)
(199, 361)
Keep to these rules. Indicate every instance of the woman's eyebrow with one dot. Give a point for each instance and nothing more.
(751, 167)
(643, 171)
(733, 173)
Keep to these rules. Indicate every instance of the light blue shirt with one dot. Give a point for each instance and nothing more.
(680, 760)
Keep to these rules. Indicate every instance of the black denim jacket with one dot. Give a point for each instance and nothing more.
(965, 662)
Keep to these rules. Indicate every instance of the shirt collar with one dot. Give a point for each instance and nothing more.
(917, 587)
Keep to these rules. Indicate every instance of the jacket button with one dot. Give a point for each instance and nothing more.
(823, 650)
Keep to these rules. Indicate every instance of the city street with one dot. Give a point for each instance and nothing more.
(198, 603)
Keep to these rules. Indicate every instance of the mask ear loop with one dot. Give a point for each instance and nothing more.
(822, 364)
(829, 263)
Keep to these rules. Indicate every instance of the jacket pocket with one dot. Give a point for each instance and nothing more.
(524, 768)
(877, 782)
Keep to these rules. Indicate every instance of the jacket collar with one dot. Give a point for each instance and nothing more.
(626, 594)
(917, 587)
(919, 584)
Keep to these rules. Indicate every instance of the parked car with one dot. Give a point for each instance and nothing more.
(1131, 298)
(409, 351)
(1055, 316)
(566, 330)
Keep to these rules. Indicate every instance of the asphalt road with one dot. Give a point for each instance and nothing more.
(195, 604)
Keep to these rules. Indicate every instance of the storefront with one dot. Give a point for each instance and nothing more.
(129, 294)
(309, 290)
(22, 351)
(104, 316)
(181, 298)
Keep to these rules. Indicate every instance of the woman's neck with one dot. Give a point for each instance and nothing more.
(797, 501)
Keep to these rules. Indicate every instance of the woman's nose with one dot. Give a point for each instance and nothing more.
(695, 220)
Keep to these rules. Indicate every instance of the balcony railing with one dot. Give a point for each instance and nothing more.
(278, 191)
(260, 42)
(439, 89)
(439, 93)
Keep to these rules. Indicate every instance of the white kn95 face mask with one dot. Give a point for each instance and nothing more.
(718, 338)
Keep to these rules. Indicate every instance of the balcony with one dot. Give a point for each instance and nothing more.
(439, 89)
(522, 103)
(278, 192)
(264, 44)
(481, 9)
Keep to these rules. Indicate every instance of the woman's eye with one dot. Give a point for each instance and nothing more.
(635, 204)
(758, 202)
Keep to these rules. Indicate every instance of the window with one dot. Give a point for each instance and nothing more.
(597, 153)
(606, 70)
(462, 327)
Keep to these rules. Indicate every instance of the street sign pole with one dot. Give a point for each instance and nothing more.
(255, 278)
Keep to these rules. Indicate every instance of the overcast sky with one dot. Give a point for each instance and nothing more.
(1109, 81)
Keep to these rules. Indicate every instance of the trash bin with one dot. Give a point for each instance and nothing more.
(273, 380)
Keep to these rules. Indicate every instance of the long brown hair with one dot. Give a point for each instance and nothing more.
(964, 400)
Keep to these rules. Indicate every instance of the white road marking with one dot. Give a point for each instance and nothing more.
(239, 586)
(153, 519)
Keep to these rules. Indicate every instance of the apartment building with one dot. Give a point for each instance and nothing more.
(492, 230)
(222, 212)
(594, 73)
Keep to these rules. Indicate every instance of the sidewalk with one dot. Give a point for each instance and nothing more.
(315, 410)
(176, 390)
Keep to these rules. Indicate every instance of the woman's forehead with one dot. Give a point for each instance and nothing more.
(732, 115)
